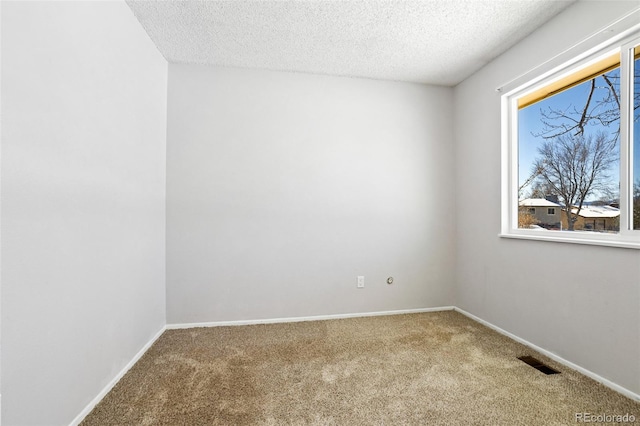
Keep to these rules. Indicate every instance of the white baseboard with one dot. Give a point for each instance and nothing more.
(301, 319)
(80, 417)
(608, 383)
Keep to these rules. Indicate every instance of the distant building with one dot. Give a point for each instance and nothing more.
(595, 218)
(547, 213)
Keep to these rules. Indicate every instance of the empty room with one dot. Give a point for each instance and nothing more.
(319, 212)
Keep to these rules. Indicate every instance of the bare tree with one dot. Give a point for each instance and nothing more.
(540, 188)
(526, 219)
(532, 177)
(601, 107)
(576, 166)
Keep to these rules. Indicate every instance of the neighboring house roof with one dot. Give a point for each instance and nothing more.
(598, 212)
(593, 212)
(538, 202)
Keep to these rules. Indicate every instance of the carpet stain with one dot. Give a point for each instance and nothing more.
(339, 370)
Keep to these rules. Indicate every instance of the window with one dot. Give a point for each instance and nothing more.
(532, 210)
(571, 138)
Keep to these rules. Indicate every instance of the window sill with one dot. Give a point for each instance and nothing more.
(614, 241)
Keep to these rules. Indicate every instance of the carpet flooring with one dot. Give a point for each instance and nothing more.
(438, 368)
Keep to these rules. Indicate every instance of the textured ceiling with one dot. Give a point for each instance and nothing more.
(434, 41)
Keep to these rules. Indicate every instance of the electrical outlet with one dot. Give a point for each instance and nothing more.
(360, 282)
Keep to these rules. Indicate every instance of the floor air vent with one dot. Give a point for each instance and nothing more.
(538, 365)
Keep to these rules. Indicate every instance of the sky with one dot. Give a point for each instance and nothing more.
(530, 124)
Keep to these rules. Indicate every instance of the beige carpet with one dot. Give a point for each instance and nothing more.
(436, 368)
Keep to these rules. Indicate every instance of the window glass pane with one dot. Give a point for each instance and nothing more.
(569, 157)
(635, 170)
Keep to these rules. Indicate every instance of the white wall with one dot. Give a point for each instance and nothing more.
(83, 193)
(579, 302)
(283, 188)
(1, 115)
